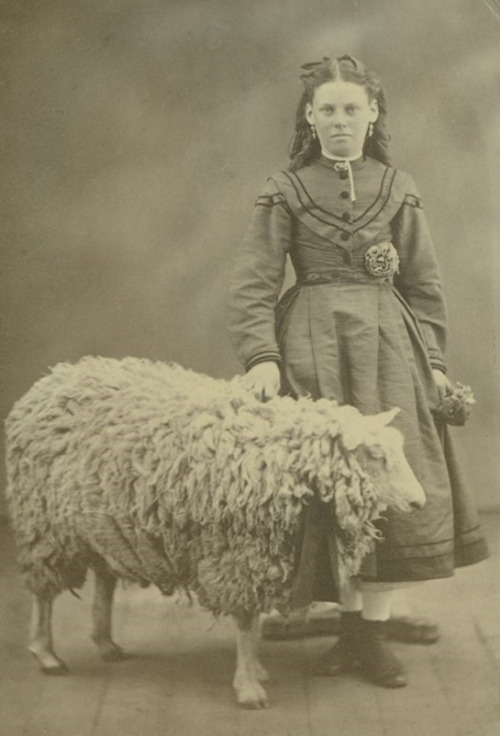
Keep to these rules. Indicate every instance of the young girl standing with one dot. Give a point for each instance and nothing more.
(365, 324)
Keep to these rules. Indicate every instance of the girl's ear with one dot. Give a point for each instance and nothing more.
(374, 110)
(309, 113)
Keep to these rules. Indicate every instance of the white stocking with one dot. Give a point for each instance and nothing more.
(350, 597)
(377, 603)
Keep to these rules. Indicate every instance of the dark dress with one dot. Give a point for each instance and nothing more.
(367, 340)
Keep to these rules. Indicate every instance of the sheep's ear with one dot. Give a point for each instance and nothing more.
(360, 429)
(386, 417)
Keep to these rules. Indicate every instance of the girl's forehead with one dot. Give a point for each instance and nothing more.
(338, 92)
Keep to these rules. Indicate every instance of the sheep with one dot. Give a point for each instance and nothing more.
(152, 473)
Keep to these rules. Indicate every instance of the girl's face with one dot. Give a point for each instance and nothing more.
(341, 112)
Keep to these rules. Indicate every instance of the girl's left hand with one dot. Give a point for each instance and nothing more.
(443, 383)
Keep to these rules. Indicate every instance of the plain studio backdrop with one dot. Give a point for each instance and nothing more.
(136, 136)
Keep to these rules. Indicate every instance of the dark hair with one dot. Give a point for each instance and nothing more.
(348, 69)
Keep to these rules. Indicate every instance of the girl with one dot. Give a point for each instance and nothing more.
(365, 324)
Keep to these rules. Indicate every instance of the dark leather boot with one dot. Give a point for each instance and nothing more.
(344, 656)
(378, 662)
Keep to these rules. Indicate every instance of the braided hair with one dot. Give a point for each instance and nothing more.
(346, 68)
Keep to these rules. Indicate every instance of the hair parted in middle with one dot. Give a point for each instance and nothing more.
(305, 146)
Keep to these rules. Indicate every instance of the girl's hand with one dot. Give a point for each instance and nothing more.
(443, 383)
(263, 380)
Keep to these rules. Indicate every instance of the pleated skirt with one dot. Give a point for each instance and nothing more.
(360, 344)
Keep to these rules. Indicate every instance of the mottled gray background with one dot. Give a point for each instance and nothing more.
(135, 136)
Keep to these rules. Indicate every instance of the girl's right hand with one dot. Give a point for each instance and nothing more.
(443, 383)
(263, 380)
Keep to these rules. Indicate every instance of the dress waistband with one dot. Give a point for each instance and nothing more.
(338, 277)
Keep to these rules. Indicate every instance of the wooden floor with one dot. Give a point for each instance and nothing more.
(177, 681)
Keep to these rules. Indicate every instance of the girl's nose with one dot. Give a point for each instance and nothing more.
(339, 120)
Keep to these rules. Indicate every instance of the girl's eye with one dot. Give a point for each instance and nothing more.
(350, 109)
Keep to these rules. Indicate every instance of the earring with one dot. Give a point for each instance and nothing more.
(370, 130)
(313, 131)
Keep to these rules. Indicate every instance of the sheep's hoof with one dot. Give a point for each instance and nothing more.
(252, 697)
(50, 664)
(111, 652)
(61, 669)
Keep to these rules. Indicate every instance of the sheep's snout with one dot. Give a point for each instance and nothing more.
(405, 491)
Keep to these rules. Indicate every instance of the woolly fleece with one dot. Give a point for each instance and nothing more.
(179, 480)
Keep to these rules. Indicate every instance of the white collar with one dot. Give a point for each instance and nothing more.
(341, 158)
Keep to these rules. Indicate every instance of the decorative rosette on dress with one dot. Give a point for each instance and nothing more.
(382, 260)
(455, 407)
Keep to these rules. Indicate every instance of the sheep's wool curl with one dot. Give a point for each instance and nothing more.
(177, 479)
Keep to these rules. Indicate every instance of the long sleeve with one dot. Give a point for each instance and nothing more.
(257, 279)
(419, 280)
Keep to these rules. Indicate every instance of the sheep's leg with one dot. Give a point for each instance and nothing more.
(102, 608)
(41, 637)
(249, 692)
(260, 670)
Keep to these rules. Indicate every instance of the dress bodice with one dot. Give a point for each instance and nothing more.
(312, 216)
(319, 198)
(316, 259)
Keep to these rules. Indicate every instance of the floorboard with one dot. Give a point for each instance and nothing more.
(177, 680)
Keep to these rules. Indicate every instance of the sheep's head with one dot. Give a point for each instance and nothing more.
(379, 449)
(341, 447)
